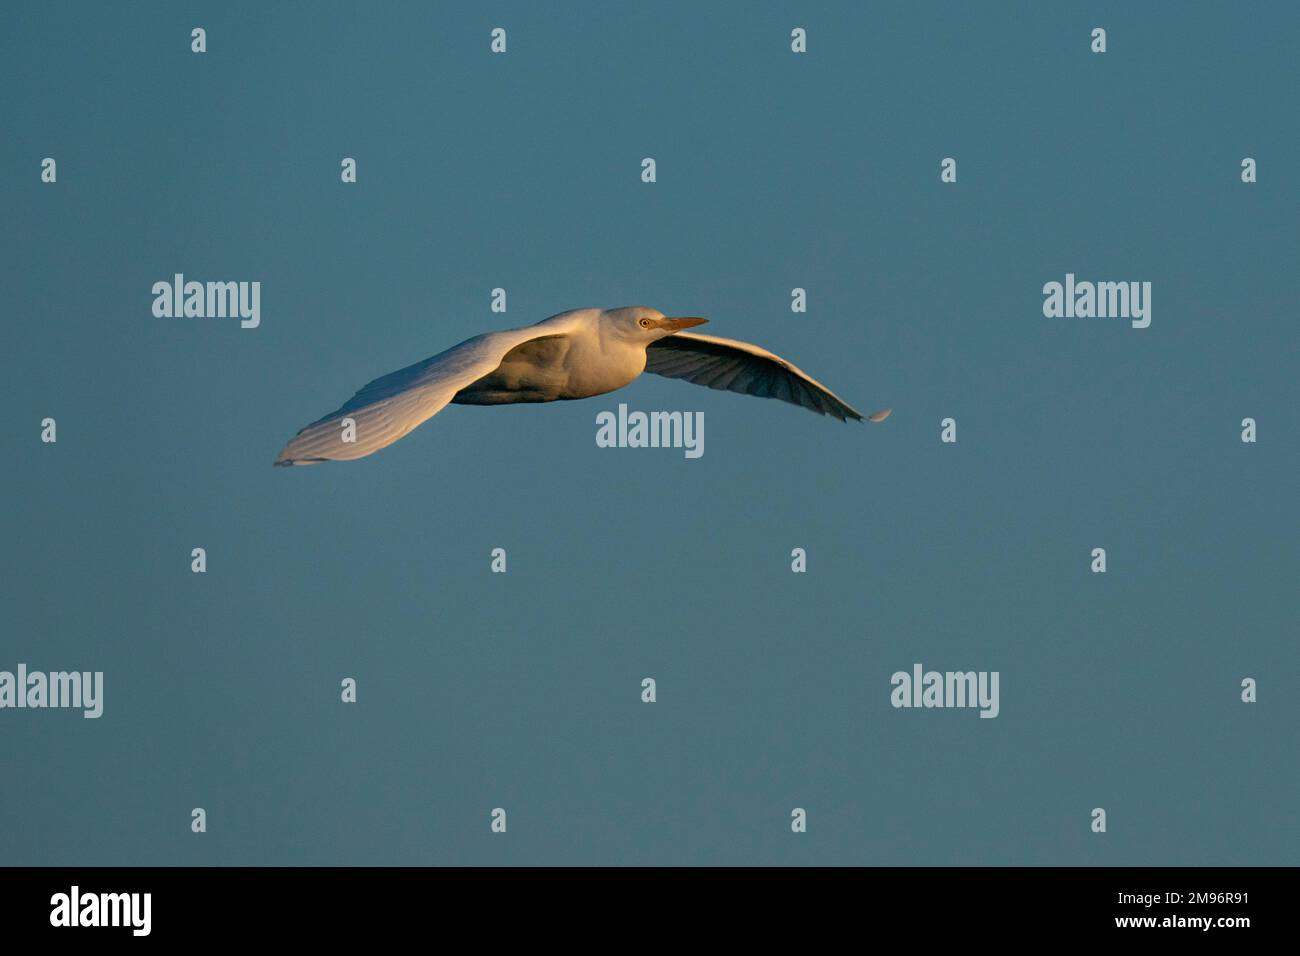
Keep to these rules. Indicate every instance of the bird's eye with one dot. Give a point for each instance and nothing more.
(645, 323)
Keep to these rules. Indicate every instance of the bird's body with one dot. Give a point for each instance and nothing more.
(564, 362)
(571, 355)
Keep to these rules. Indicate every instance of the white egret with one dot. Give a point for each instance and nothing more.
(572, 355)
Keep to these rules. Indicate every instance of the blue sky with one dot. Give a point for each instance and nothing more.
(775, 171)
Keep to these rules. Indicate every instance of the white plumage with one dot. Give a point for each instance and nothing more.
(572, 355)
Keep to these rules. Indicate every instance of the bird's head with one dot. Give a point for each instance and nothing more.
(640, 324)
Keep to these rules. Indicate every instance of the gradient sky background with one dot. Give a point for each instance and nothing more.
(522, 690)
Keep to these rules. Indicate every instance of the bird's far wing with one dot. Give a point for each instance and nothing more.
(741, 367)
(390, 406)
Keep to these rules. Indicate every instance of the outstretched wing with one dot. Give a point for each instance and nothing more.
(392, 405)
(741, 367)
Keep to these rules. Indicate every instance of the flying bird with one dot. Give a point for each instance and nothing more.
(572, 355)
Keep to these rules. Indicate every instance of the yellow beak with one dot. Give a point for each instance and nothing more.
(676, 325)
